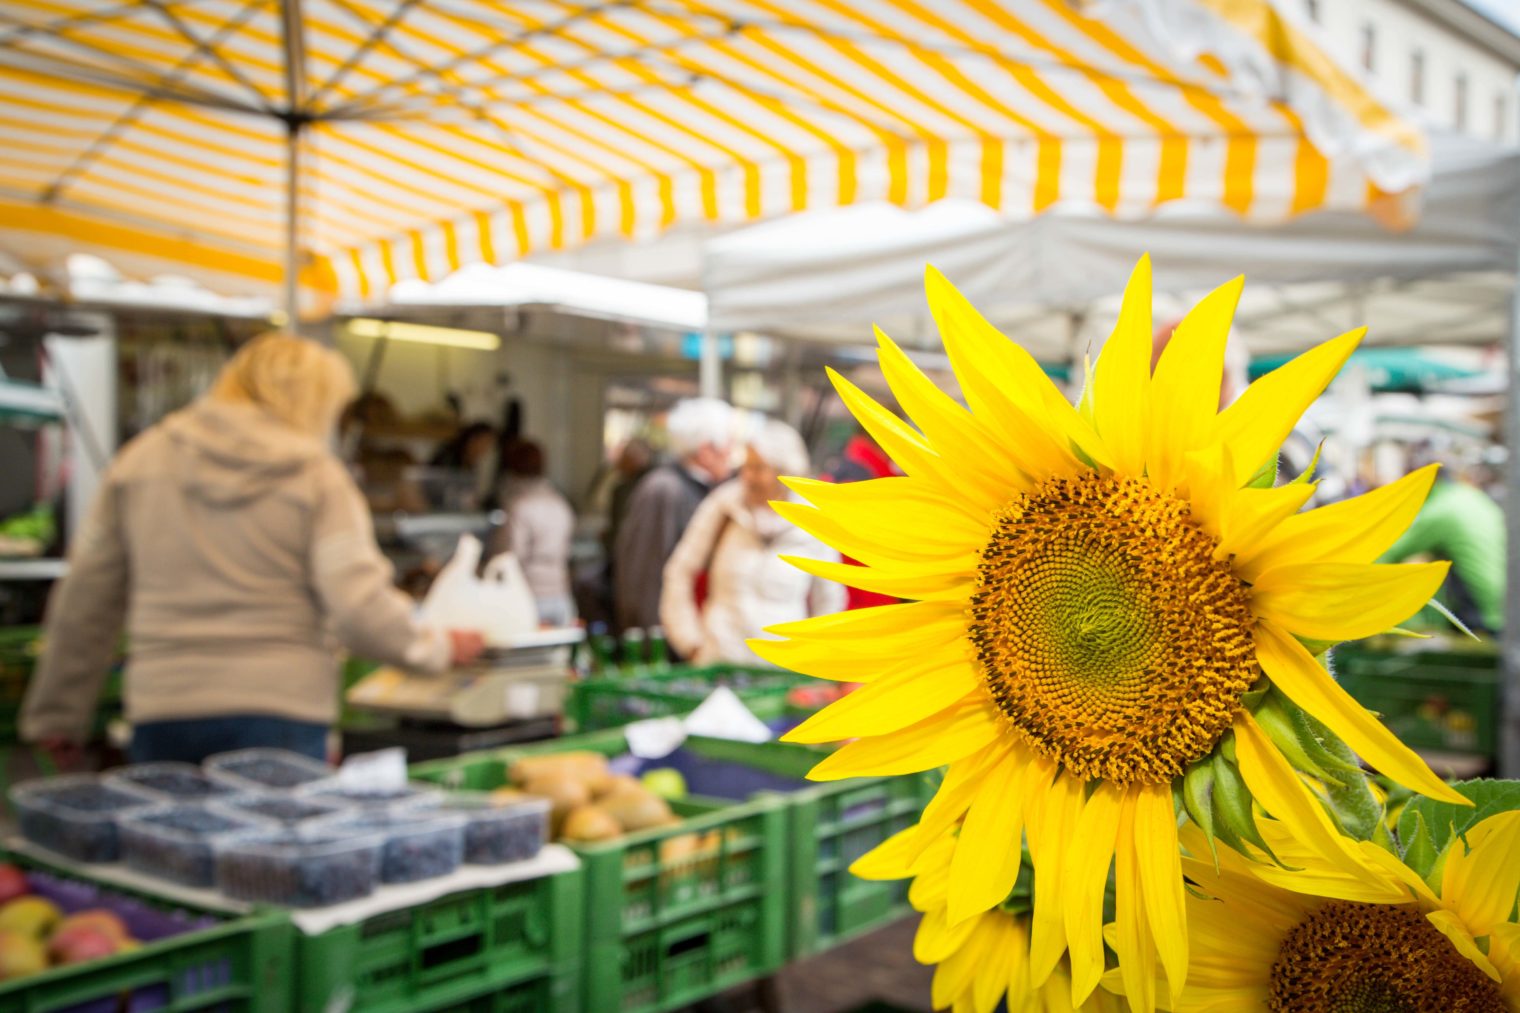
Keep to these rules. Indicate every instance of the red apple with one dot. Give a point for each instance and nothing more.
(81, 943)
(13, 883)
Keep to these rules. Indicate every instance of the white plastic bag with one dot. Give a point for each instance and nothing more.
(497, 604)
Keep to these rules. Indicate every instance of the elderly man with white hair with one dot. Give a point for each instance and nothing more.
(737, 539)
(662, 504)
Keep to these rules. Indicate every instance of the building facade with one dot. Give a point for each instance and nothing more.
(1443, 58)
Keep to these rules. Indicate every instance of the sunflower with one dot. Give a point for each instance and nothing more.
(982, 959)
(1100, 600)
(1317, 939)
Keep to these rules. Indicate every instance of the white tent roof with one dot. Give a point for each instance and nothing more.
(827, 275)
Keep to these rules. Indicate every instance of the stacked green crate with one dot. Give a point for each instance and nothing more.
(610, 701)
(676, 914)
(504, 948)
(240, 964)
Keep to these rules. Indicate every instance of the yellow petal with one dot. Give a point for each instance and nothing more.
(1256, 425)
(928, 584)
(1185, 388)
(912, 452)
(956, 434)
(937, 939)
(898, 504)
(878, 547)
(1483, 877)
(1132, 942)
(1452, 928)
(1002, 383)
(1122, 377)
(1356, 530)
(1086, 875)
(988, 850)
(1344, 601)
(1159, 868)
(929, 637)
(955, 975)
(933, 622)
(962, 780)
(1052, 819)
(1277, 787)
(1303, 680)
(992, 977)
(1248, 515)
(888, 860)
(893, 701)
(933, 742)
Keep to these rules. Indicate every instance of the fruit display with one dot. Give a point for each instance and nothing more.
(303, 869)
(75, 815)
(171, 782)
(587, 801)
(177, 843)
(286, 810)
(267, 769)
(37, 932)
(500, 827)
(418, 844)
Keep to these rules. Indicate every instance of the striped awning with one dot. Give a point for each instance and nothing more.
(436, 133)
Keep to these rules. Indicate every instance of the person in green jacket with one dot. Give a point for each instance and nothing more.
(1463, 524)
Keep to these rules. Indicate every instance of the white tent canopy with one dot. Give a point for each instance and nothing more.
(1053, 281)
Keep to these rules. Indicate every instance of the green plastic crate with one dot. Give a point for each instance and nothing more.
(241, 965)
(610, 701)
(832, 824)
(518, 942)
(1438, 699)
(673, 915)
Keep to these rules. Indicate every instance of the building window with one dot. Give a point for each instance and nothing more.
(1369, 46)
(1501, 117)
(1312, 6)
(1417, 77)
(1459, 103)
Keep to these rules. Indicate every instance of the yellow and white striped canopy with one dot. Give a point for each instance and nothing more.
(436, 133)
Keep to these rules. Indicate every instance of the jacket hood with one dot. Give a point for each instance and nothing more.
(235, 453)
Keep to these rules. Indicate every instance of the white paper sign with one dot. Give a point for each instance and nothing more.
(723, 716)
(382, 770)
(654, 738)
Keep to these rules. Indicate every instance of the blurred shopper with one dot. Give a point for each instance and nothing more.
(662, 504)
(736, 539)
(539, 529)
(633, 462)
(232, 544)
(1461, 523)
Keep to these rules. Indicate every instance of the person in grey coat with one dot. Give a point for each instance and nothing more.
(662, 504)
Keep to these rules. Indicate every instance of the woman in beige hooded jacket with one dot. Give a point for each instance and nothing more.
(238, 553)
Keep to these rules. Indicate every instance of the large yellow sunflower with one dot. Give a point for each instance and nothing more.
(982, 959)
(1099, 597)
(1319, 939)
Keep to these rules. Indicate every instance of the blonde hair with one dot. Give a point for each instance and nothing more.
(297, 381)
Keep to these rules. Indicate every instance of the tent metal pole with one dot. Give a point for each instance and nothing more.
(292, 225)
(1509, 686)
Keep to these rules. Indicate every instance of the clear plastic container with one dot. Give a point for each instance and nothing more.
(419, 843)
(171, 782)
(307, 868)
(76, 815)
(267, 770)
(286, 810)
(177, 842)
(415, 794)
(498, 830)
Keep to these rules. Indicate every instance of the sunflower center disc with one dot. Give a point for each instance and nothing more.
(1107, 633)
(1375, 958)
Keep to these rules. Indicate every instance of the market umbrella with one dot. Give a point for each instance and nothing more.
(367, 143)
